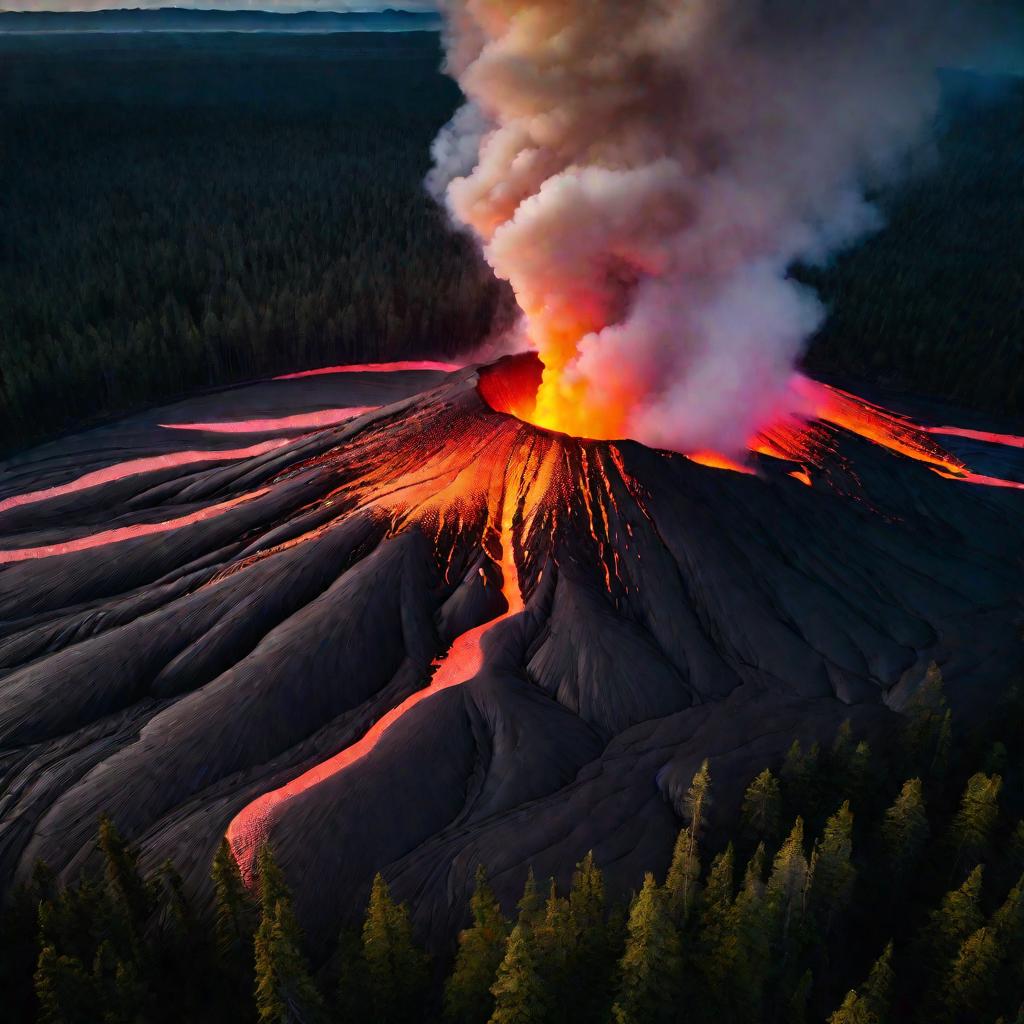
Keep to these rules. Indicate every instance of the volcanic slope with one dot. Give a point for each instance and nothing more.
(428, 634)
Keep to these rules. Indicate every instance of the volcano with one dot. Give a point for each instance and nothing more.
(381, 620)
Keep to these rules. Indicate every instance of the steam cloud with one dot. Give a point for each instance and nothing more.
(644, 173)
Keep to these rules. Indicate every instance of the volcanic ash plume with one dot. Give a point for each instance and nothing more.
(645, 172)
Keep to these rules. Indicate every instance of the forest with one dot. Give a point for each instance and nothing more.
(185, 212)
(915, 855)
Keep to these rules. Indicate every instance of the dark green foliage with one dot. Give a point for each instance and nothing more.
(650, 967)
(176, 217)
(762, 807)
(467, 997)
(871, 1004)
(979, 808)
(396, 969)
(519, 996)
(904, 832)
(684, 871)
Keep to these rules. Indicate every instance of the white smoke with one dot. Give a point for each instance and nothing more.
(645, 172)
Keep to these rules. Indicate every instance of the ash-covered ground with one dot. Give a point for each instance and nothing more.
(390, 628)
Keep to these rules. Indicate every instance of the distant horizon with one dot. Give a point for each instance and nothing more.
(269, 7)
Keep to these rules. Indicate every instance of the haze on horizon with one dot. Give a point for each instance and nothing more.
(279, 6)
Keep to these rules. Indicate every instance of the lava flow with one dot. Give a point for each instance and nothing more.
(300, 421)
(464, 659)
(418, 366)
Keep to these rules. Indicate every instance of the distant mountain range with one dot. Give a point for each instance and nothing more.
(177, 19)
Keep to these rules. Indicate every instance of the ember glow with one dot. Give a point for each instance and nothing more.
(123, 533)
(135, 467)
(644, 175)
(414, 366)
(300, 421)
(464, 660)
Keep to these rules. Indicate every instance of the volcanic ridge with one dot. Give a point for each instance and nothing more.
(381, 620)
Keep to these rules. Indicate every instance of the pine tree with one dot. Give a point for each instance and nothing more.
(651, 965)
(591, 960)
(762, 807)
(746, 950)
(971, 977)
(928, 735)
(131, 899)
(718, 937)
(233, 910)
(64, 990)
(555, 942)
(974, 821)
(519, 996)
(467, 997)
(871, 1004)
(905, 830)
(787, 884)
(531, 905)
(957, 917)
(684, 871)
(796, 1005)
(396, 969)
(285, 993)
(833, 872)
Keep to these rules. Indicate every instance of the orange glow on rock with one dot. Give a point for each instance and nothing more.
(135, 467)
(423, 365)
(300, 421)
(124, 533)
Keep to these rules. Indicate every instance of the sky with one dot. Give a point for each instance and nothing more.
(220, 5)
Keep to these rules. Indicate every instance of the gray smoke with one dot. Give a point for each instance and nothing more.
(645, 172)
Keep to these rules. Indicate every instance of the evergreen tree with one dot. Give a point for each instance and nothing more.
(650, 967)
(396, 969)
(531, 904)
(969, 983)
(467, 997)
(718, 941)
(796, 1005)
(762, 807)
(285, 993)
(905, 830)
(684, 871)
(871, 1004)
(519, 996)
(958, 916)
(833, 872)
(64, 990)
(233, 910)
(787, 884)
(131, 898)
(928, 735)
(592, 956)
(746, 950)
(799, 778)
(976, 817)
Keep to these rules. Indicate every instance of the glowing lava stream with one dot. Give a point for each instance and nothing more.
(1008, 440)
(400, 367)
(250, 828)
(304, 420)
(135, 467)
(123, 533)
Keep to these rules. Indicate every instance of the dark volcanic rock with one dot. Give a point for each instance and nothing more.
(291, 599)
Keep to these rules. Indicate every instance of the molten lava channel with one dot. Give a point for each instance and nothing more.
(300, 421)
(250, 828)
(512, 386)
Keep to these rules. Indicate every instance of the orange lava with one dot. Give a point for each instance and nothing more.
(714, 460)
(465, 658)
(124, 533)
(301, 421)
(803, 476)
(1008, 440)
(399, 367)
(135, 467)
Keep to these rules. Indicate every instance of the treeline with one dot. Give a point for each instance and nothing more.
(855, 889)
(177, 217)
(184, 216)
(929, 304)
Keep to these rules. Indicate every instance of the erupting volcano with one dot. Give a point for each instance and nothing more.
(437, 634)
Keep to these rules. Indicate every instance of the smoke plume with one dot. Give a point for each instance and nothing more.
(645, 172)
